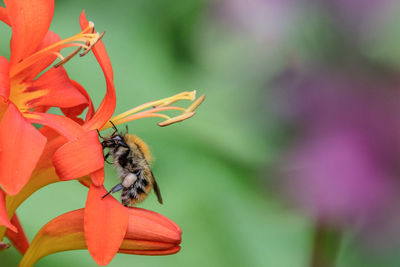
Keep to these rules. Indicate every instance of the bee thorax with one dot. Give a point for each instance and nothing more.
(129, 180)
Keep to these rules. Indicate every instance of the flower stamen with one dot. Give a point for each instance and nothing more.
(195, 104)
(67, 58)
(58, 55)
(176, 119)
(86, 39)
(92, 43)
(154, 109)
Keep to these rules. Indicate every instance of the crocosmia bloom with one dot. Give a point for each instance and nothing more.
(146, 233)
(67, 147)
(33, 49)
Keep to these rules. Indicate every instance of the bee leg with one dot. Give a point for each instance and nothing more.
(116, 188)
(106, 157)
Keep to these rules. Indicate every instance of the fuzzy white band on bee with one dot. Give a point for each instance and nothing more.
(129, 180)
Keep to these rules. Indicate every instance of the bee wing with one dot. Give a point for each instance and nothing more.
(156, 189)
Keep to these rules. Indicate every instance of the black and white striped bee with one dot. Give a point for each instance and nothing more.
(132, 159)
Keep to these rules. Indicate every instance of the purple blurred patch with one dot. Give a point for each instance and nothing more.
(344, 168)
(336, 176)
(361, 18)
(263, 19)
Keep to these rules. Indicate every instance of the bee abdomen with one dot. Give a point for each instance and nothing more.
(125, 199)
(135, 193)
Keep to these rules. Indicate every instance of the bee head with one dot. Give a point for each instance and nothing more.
(114, 140)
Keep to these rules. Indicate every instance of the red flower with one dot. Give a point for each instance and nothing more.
(74, 152)
(106, 221)
(24, 98)
(147, 233)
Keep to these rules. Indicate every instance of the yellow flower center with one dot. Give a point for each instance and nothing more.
(20, 97)
(23, 98)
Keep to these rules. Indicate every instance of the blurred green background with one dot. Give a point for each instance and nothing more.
(217, 171)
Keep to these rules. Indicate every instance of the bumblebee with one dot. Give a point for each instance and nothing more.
(132, 159)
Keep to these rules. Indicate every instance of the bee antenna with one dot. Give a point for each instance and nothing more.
(115, 128)
(98, 132)
(126, 126)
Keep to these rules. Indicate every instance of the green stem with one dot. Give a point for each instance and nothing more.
(326, 245)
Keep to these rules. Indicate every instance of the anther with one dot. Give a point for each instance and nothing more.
(4, 246)
(176, 119)
(91, 26)
(170, 100)
(195, 104)
(91, 44)
(67, 58)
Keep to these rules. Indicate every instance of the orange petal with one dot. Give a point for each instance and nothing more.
(60, 234)
(175, 249)
(31, 72)
(97, 177)
(30, 21)
(4, 220)
(44, 173)
(38, 180)
(105, 110)
(76, 111)
(48, 132)
(4, 78)
(79, 157)
(152, 226)
(153, 234)
(64, 126)
(19, 239)
(21, 145)
(86, 181)
(99, 49)
(107, 106)
(3, 107)
(105, 224)
(54, 142)
(4, 15)
(60, 91)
